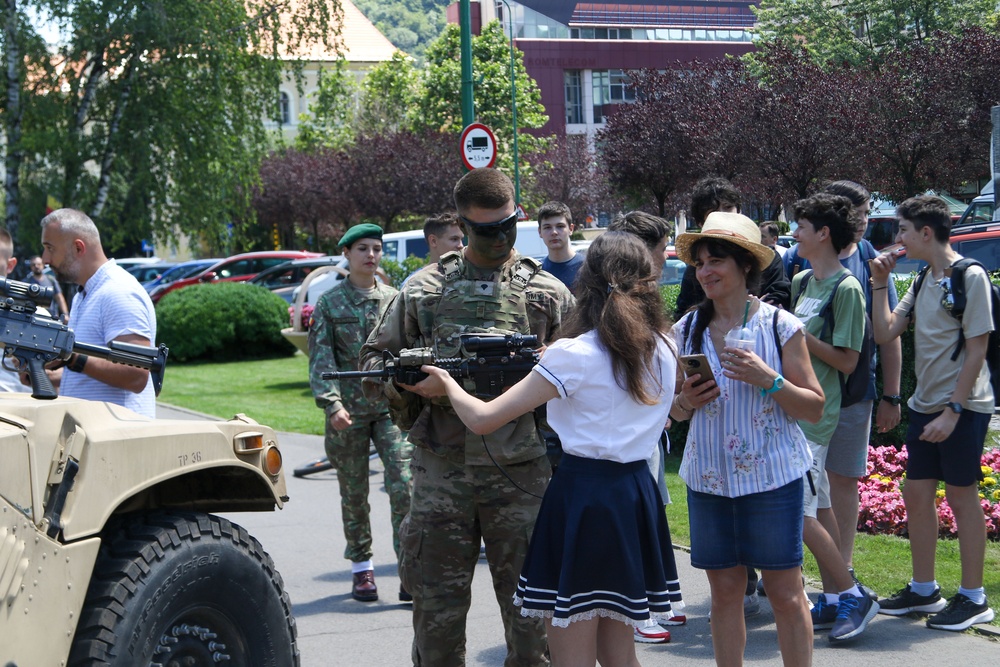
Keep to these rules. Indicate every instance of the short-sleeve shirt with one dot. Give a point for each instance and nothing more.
(934, 339)
(564, 271)
(848, 332)
(110, 305)
(857, 264)
(743, 443)
(594, 417)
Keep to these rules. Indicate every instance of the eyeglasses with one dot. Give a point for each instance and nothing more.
(491, 228)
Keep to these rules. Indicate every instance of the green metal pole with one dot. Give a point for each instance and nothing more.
(465, 26)
(513, 104)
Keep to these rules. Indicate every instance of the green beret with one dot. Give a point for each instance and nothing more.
(365, 230)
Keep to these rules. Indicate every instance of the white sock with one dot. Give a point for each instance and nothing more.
(977, 595)
(832, 598)
(926, 588)
(853, 590)
(363, 566)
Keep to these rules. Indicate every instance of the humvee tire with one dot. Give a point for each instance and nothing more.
(183, 588)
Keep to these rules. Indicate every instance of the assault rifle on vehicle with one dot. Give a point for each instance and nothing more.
(35, 340)
(492, 361)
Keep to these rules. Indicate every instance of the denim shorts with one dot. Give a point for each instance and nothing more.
(955, 461)
(761, 530)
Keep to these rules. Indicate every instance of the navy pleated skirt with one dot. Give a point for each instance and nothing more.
(600, 547)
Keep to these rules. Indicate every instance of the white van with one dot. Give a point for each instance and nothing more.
(398, 246)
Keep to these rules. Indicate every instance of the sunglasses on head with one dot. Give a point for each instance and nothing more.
(491, 228)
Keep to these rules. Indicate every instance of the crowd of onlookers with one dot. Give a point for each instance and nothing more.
(772, 361)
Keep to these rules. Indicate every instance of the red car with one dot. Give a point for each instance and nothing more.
(237, 268)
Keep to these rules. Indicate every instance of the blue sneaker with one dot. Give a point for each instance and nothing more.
(853, 616)
(824, 614)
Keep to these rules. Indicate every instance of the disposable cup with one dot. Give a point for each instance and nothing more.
(742, 339)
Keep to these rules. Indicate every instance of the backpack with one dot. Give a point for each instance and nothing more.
(958, 309)
(853, 387)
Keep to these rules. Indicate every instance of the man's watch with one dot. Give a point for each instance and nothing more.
(77, 362)
(955, 407)
(778, 383)
(892, 399)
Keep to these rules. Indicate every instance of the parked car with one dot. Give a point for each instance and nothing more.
(980, 210)
(284, 278)
(979, 242)
(238, 268)
(146, 272)
(128, 262)
(178, 271)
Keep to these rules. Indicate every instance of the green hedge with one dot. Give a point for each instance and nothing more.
(223, 322)
(908, 380)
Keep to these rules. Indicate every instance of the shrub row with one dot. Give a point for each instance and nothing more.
(223, 322)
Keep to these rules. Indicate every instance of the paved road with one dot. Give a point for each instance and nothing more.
(306, 542)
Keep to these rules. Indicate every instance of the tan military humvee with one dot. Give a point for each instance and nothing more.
(109, 553)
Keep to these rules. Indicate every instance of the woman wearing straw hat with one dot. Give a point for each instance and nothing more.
(745, 456)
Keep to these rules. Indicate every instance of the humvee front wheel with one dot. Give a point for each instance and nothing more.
(183, 589)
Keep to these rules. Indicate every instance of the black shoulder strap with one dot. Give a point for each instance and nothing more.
(806, 276)
(826, 312)
(687, 331)
(917, 284)
(958, 283)
(777, 339)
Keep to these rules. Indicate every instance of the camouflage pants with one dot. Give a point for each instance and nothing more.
(453, 507)
(348, 452)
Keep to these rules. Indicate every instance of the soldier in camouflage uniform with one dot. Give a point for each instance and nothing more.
(343, 318)
(468, 488)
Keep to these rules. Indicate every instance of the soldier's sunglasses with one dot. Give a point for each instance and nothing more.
(491, 228)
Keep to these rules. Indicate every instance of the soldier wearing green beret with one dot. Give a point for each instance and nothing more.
(468, 488)
(341, 321)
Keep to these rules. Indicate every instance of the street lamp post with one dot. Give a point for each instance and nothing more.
(513, 103)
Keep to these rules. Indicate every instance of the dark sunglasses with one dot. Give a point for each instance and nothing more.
(491, 228)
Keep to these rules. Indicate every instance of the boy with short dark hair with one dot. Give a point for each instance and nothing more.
(555, 225)
(949, 412)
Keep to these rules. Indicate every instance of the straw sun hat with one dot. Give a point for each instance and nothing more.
(732, 228)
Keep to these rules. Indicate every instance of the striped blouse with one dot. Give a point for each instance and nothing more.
(742, 442)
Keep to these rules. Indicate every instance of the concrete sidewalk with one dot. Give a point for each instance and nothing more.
(306, 541)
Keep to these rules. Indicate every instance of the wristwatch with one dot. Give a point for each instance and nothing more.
(892, 399)
(77, 362)
(955, 407)
(779, 382)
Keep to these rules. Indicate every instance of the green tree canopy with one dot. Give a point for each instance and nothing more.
(439, 102)
(861, 32)
(149, 116)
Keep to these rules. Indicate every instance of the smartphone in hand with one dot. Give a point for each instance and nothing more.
(697, 364)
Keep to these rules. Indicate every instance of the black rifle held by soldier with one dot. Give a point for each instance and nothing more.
(493, 362)
(35, 340)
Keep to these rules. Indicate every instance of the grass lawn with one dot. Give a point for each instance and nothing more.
(276, 392)
(273, 392)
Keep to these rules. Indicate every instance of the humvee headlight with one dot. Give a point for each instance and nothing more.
(248, 442)
(272, 460)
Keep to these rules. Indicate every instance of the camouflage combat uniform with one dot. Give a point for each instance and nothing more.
(341, 321)
(459, 495)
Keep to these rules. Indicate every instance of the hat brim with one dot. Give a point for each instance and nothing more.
(762, 253)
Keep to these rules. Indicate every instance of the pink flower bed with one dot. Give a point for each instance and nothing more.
(307, 311)
(881, 507)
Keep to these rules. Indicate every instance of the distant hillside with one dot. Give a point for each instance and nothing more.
(409, 24)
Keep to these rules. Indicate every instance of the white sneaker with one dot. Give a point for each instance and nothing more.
(652, 633)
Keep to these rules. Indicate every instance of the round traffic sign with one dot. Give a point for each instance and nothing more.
(478, 146)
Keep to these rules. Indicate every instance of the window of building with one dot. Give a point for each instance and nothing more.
(574, 96)
(284, 109)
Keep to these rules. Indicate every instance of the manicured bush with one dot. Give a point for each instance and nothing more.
(223, 322)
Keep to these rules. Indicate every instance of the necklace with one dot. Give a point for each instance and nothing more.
(720, 329)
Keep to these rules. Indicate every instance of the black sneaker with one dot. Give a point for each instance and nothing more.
(961, 613)
(853, 616)
(861, 587)
(906, 601)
